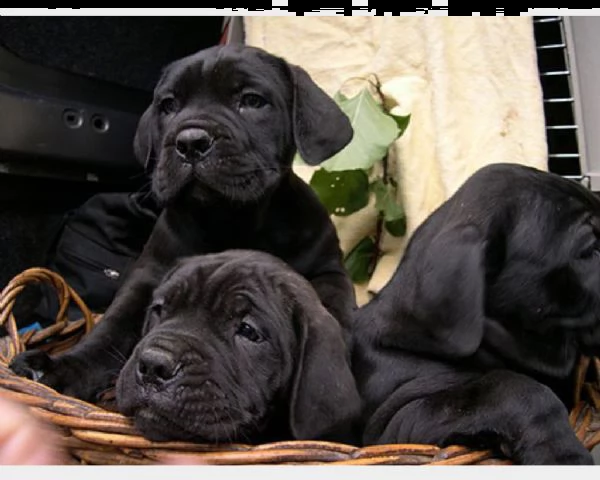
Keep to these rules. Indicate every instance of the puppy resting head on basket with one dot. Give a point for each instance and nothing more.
(238, 347)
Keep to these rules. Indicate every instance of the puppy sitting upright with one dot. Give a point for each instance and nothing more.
(476, 337)
(220, 137)
(238, 347)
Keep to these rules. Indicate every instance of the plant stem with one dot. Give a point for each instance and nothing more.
(385, 179)
(376, 241)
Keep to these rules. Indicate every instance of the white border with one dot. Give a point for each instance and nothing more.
(276, 472)
(360, 8)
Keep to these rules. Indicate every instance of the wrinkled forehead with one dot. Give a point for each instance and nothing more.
(260, 281)
(236, 67)
(217, 295)
(211, 279)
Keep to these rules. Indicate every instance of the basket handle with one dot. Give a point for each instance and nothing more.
(65, 294)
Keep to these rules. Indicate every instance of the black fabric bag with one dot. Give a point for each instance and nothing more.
(95, 247)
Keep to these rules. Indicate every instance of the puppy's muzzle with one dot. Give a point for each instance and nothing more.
(156, 367)
(193, 144)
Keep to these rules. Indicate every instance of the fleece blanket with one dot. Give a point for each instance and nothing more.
(470, 84)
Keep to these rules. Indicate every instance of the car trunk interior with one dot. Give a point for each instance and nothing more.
(85, 87)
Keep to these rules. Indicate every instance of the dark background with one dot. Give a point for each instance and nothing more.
(109, 58)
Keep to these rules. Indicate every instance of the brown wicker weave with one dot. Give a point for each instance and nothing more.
(95, 435)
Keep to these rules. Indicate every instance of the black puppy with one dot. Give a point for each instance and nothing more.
(475, 338)
(220, 137)
(238, 347)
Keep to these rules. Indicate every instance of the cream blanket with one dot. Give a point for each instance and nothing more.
(471, 85)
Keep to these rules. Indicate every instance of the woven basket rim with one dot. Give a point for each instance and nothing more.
(94, 435)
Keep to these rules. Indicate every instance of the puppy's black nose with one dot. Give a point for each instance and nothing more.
(193, 144)
(156, 366)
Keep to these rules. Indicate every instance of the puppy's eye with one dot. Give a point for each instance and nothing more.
(249, 332)
(252, 100)
(156, 309)
(167, 105)
(591, 250)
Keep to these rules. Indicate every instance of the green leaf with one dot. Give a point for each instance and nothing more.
(381, 191)
(339, 97)
(402, 121)
(385, 201)
(374, 132)
(358, 262)
(397, 228)
(392, 210)
(342, 193)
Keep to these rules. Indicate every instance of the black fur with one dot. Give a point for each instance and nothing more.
(220, 138)
(238, 348)
(476, 336)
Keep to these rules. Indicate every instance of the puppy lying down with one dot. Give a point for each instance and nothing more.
(238, 347)
(476, 337)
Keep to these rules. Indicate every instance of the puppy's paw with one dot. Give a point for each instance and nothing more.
(67, 375)
(557, 452)
(31, 364)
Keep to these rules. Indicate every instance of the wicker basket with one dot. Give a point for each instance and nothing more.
(95, 435)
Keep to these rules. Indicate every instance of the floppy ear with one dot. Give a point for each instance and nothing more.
(143, 142)
(321, 128)
(324, 402)
(435, 301)
(453, 277)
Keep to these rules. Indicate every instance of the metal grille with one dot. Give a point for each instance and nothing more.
(556, 79)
